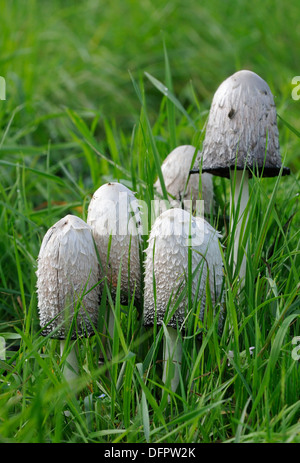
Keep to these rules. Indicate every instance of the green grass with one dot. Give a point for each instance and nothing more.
(74, 118)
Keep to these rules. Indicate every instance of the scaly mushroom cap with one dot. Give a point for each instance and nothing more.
(175, 170)
(167, 260)
(242, 128)
(114, 211)
(67, 270)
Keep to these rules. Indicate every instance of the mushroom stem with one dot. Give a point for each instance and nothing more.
(241, 191)
(172, 354)
(70, 369)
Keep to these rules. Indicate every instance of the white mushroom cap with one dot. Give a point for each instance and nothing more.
(67, 270)
(175, 169)
(242, 123)
(167, 259)
(114, 211)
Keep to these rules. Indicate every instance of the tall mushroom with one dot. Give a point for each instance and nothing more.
(67, 276)
(166, 273)
(115, 220)
(180, 187)
(242, 133)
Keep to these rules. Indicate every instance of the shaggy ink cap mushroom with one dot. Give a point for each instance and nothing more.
(115, 220)
(67, 276)
(242, 128)
(167, 260)
(176, 170)
(242, 134)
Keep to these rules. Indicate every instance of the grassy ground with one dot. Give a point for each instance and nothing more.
(74, 118)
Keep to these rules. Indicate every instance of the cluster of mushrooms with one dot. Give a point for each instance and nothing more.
(77, 259)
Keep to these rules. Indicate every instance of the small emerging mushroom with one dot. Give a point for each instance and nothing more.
(67, 276)
(242, 133)
(114, 217)
(166, 273)
(180, 187)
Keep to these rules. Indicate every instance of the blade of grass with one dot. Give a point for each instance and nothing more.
(166, 92)
(152, 140)
(170, 104)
